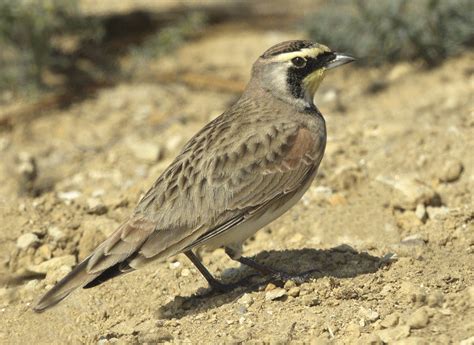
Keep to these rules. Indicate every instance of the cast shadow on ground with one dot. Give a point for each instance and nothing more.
(306, 264)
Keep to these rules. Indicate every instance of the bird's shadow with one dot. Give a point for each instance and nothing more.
(304, 264)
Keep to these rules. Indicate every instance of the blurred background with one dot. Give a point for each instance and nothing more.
(98, 97)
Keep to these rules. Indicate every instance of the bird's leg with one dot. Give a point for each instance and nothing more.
(213, 282)
(235, 255)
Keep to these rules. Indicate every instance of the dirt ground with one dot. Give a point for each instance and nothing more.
(387, 225)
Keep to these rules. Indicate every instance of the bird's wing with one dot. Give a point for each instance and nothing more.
(226, 173)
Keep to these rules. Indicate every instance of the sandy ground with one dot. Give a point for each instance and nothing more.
(388, 223)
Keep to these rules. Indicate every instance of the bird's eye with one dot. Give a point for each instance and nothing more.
(299, 62)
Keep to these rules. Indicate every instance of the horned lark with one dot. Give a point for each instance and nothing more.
(237, 174)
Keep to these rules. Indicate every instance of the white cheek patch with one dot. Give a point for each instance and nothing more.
(277, 78)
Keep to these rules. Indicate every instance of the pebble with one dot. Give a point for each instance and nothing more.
(145, 151)
(294, 291)
(409, 192)
(44, 252)
(451, 171)
(289, 284)
(353, 330)
(418, 319)
(310, 301)
(435, 299)
(368, 314)
(400, 70)
(420, 212)
(27, 167)
(470, 293)
(412, 341)
(27, 240)
(185, 272)
(158, 336)
(275, 294)
(245, 300)
(53, 264)
(337, 199)
(391, 335)
(346, 176)
(467, 341)
(390, 320)
(437, 212)
(53, 276)
(55, 233)
(323, 190)
(96, 206)
(270, 287)
(69, 196)
(369, 339)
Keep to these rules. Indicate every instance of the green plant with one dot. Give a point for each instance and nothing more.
(28, 29)
(379, 31)
(167, 39)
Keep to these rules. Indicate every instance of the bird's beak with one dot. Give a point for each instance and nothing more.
(339, 60)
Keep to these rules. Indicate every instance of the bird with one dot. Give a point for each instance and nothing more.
(237, 174)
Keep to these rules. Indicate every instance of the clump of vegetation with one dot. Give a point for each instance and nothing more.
(387, 31)
(29, 32)
(168, 38)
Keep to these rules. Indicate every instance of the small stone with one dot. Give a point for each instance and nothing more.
(90, 239)
(54, 264)
(158, 336)
(69, 196)
(27, 168)
(409, 192)
(412, 341)
(289, 284)
(44, 251)
(369, 339)
(400, 70)
(435, 299)
(353, 330)
(368, 314)
(329, 96)
(470, 293)
(391, 335)
(451, 171)
(124, 327)
(337, 200)
(415, 239)
(323, 190)
(275, 294)
(270, 287)
(390, 320)
(145, 151)
(185, 272)
(294, 291)
(173, 143)
(53, 276)
(55, 233)
(246, 300)
(26, 241)
(418, 319)
(174, 265)
(387, 289)
(437, 212)
(345, 177)
(467, 341)
(96, 206)
(7, 296)
(310, 301)
(420, 212)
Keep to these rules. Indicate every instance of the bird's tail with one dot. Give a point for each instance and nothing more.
(77, 278)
